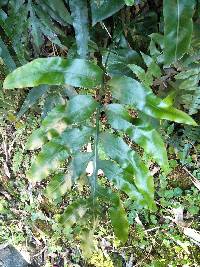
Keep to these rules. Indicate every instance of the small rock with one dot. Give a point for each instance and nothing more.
(11, 257)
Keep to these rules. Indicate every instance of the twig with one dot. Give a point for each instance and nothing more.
(104, 26)
(195, 181)
(40, 252)
(152, 229)
(189, 173)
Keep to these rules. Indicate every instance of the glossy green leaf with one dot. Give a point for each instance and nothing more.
(69, 91)
(79, 163)
(77, 109)
(131, 92)
(57, 150)
(140, 131)
(104, 9)
(121, 180)
(51, 127)
(51, 100)
(130, 162)
(48, 160)
(119, 222)
(58, 186)
(141, 74)
(37, 139)
(118, 59)
(116, 211)
(156, 46)
(75, 138)
(108, 195)
(80, 108)
(178, 27)
(79, 13)
(54, 120)
(129, 2)
(33, 96)
(74, 212)
(55, 71)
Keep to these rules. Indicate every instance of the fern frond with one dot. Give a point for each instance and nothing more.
(189, 91)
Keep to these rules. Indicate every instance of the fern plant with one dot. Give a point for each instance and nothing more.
(187, 84)
(27, 25)
(31, 21)
(66, 131)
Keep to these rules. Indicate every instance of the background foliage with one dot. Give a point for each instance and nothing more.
(112, 86)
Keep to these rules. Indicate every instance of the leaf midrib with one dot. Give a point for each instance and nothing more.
(178, 29)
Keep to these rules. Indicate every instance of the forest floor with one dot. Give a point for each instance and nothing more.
(156, 238)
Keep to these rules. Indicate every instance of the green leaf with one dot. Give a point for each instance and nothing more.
(119, 222)
(87, 243)
(129, 2)
(33, 96)
(52, 99)
(117, 213)
(57, 150)
(118, 59)
(18, 34)
(153, 70)
(131, 92)
(104, 9)
(140, 131)
(48, 160)
(51, 127)
(74, 212)
(59, 9)
(75, 138)
(37, 139)
(55, 71)
(55, 119)
(190, 84)
(153, 67)
(3, 2)
(7, 58)
(121, 180)
(80, 108)
(79, 163)
(77, 109)
(141, 74)
(157, 40)
(58, 186)
(79, 13)
(48, 25)
(35, 29)
(188, 73)
(178, 27)
(107, 194)
(69, 91)
(130, 162)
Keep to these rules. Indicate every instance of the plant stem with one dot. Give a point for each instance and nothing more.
(96, 154)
